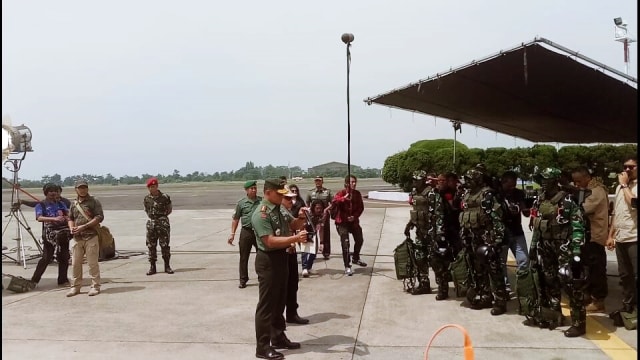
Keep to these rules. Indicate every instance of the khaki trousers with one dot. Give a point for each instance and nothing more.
(90, 248)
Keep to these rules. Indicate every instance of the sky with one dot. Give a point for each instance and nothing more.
(149, 87)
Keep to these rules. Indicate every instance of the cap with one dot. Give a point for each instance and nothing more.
(249, 183)
(81, 182)
(152, 181)
(276, 184)
(318, 178)
(289, 193)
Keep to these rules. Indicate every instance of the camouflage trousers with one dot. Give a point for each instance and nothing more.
(158, 231)
(422, 246)
(487, 278)
(551, 258)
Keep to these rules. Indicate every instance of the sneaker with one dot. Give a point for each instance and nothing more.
(94, 292)
(360, 262)
(596, 305)
(305, 273)
(73, 292)
(348, 271)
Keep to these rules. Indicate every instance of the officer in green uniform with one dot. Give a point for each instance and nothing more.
(482, 232)
(273, 237)
(158, 206)
(244, 209)
(558, 236)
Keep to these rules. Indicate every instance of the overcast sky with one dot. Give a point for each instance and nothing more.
(133, 87)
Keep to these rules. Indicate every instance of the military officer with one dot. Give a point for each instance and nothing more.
(273, 237)
(158, 206)
(244, 209)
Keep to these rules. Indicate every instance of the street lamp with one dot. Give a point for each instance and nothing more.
(348, 38)
(457, 126)
(621, 34)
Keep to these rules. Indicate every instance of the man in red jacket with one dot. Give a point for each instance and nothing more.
(349, 209)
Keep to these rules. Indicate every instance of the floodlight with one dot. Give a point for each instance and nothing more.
(619, 22)
(18, 139)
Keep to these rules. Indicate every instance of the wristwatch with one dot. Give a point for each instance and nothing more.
(624, 186)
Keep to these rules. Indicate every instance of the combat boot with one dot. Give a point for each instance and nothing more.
(499, 307)
(578, 328)
(152, 269)
(443, 292)
(167, 268)
(423, 288)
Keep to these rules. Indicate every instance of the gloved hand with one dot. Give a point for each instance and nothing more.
(407, 229)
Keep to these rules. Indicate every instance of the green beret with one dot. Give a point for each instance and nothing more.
(249, 183)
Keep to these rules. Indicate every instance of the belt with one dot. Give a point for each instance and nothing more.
(275, 251)
(247, 227)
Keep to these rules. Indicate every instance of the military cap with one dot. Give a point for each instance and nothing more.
(249, 183)
(276, 184)
(318, 178)
(152, 181)
(81, 182)
(550, 173)
(289, 193)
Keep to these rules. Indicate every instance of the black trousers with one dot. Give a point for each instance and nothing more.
(247, 240)
(326, 238)
(343, 230)
(627, 255)
(596, 261)
(292, 285)
(62, 257)
(273, 271)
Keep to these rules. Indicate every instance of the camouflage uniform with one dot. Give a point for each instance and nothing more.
(558, 235)
(482, 233)
(427, 218)
(158, 227)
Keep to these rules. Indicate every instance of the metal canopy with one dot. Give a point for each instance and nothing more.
(533, 93)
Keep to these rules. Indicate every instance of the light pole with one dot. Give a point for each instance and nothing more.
(621, 34)
(348, 38)
(456, 126)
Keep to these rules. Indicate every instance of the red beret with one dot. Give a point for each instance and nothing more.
(152, 181)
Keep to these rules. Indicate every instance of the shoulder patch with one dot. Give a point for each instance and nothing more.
(263, 209)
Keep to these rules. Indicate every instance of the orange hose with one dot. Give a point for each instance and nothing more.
(468, 347)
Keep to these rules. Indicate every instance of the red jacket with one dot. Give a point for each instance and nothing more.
(348, 207)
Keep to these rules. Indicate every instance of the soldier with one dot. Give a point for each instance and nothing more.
(482, 232)
(158, 206)
(558, 236)
(426, 218)
(319, 192)
(273, 237)
(244, 209)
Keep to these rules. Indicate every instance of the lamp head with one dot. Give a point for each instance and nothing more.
(347, 38)
(619, 22)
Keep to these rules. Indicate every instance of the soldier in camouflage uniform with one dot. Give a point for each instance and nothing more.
(558, 235)
(158, 206)
(427, 218)
(482, 232)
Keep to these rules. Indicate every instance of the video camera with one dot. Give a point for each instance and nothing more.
(308, 226)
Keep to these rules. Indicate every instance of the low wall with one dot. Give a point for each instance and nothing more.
(389, 196)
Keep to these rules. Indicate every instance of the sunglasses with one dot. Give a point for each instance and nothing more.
(629, 167)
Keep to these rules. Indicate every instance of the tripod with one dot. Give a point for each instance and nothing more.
(20, 220)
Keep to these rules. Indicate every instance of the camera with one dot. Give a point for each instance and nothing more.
(634, 203)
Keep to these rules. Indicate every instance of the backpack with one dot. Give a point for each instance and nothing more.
(106, 242)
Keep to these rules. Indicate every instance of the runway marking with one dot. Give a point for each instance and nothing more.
(608, 342)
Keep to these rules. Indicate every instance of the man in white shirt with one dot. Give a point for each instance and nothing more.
(623, 235)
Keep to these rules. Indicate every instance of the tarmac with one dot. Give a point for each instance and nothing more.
(200, 313)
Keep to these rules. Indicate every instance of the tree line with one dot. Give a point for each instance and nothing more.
(604, 160)
(248, 172)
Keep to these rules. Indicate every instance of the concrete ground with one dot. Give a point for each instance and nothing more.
(199, 312)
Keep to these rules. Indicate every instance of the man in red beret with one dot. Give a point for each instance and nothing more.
(158, 206)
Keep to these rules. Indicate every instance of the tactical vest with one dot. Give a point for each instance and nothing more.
(549, 222)
(473, 215)
(420, 215)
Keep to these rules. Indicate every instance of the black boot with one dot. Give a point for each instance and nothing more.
(167, 268)
(578, 328)
(152, 268)
(443, 292)
(423, 288)
(499, 307)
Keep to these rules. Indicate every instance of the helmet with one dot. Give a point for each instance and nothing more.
(474, 176)
(550, 173)
(419, 174)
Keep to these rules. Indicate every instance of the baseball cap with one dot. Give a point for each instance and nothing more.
(276, 184)
(81, 182)
(152, 181)
(318, 178)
